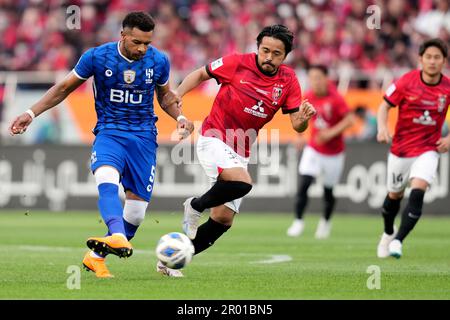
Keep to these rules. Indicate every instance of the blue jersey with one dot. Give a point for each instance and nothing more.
(123, 88)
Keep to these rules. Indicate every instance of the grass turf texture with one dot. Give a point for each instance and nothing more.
(38, 247)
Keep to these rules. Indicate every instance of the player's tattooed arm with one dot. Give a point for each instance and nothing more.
(170, 102)
(51, 98)
(300, 118)
(383, 135)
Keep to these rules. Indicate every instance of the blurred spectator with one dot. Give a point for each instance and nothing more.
(436, 22)
(367, 123)
(34, 35)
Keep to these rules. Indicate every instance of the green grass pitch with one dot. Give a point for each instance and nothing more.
(38, 249)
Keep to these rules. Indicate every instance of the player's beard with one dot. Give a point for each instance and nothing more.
(130, 55)
(267, 72)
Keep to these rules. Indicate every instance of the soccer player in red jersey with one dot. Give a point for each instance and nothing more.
(422, 97)
(324, 154)
(253, 88)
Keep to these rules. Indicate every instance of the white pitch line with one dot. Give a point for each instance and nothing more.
(56, 249)
(275, 258)
(272, 258)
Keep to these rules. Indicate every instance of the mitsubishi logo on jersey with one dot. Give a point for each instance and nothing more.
(258, 106)
(257, 110)
(425, 119)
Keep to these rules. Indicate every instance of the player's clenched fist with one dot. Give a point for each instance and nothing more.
(383, 135)
(307, 110)
(184, 127)
(20, 124)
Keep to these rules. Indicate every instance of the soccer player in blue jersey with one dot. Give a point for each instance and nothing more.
(126, 74)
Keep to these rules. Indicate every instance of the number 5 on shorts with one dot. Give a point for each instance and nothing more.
(151, 179)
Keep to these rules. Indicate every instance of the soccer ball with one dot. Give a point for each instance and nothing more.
(175, 250)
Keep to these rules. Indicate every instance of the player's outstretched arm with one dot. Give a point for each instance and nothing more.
(193, 80)
(300, 118)
(170, 102)
(52, 97)
(383, 135)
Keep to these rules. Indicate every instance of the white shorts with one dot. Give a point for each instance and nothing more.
(214, 155)
(401, 170)
(314, 163)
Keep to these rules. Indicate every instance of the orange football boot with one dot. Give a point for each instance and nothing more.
(96, 265)
(115, 244)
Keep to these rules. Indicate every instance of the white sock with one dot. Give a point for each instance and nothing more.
(94, 255)
(120, 234)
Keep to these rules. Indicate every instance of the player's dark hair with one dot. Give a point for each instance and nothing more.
(138, 19)
(436, 42)
(319, 67)
(279, 32)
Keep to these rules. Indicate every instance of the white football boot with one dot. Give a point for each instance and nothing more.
(383, 245)
(191, 219)
(323, 229)
(296, 229)
(395, 249)
(166, 271)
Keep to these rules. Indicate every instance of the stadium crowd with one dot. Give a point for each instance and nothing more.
(35, 33)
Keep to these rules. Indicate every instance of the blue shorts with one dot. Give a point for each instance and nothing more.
(133, 154)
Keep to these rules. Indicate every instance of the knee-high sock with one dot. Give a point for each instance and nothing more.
(389, 212)
(221, 192)
(109, 204)
(411, 213)
(207, 234)
(110, 207)
(302, 195)
(330, 202)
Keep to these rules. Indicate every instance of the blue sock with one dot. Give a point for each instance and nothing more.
(110, 207)
(130, 229)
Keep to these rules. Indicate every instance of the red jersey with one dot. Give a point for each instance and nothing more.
(422, 111)
(330, 109)
(247, 99)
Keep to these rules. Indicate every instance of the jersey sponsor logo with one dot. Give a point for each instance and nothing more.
(428, 102)
(108, 73)
(442, 101)
(256, 89)
(216, 64)
(257, 110)
(425, 119)
(412, 98)
(320, 123)
(390, 90)
(124, 96)
(129, 76)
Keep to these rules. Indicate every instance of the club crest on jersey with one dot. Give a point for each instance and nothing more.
(442, 101)
(276, 93)
(129, 76)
